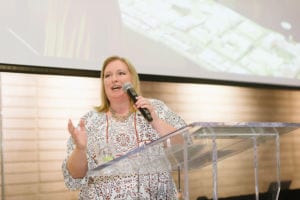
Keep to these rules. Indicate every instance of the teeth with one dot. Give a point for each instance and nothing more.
(116, 87)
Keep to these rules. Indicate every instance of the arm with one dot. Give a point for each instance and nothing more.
(77, 162)
(161, 126)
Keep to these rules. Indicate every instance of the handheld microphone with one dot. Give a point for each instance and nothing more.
(127, 87)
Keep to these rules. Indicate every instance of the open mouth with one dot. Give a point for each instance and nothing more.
(116, 87)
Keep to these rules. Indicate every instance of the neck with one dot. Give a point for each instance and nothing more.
(119, 112)
(120, 105)
(120, 116)
(120, 108)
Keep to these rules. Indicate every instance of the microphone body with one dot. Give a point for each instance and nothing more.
(127, 87)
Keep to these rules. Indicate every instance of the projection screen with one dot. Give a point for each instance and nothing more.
(235, 40)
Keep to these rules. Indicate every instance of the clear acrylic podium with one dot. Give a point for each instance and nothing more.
(211, 159)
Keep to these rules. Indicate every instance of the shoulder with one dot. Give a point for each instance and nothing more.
(94, 121)
(157, 102)
(93, 115)
(166, 113)
(159, 105)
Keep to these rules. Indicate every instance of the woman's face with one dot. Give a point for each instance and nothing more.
(116, 74)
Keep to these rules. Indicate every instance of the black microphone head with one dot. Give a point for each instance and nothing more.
(127, 86)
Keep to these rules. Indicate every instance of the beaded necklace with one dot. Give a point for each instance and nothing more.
(119, 117)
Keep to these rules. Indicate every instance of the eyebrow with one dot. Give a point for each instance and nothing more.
(118, 70)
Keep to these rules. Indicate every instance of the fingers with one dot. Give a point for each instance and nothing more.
(78, 134)
(143, 103)
(71, 127)
(82, 124)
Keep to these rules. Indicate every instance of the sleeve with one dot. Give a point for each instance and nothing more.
(168, 115)
(70, 182)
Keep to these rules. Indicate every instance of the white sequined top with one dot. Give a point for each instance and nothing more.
(124, 136)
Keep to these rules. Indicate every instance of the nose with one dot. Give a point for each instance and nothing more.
(114, 78)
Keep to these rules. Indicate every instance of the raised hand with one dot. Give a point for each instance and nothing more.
(78, 134)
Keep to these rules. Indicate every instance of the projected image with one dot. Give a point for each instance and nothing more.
(228, 40)
(214, 37)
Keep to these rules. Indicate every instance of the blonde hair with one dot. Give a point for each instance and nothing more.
(104, 107)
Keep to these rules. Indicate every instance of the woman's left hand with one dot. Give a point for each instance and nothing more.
(158, 124)
(143, 102)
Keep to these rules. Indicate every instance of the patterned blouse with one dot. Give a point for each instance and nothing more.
(123, 136)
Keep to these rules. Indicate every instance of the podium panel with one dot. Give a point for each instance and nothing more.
(211, 160)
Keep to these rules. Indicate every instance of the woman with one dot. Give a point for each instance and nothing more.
(118, 123)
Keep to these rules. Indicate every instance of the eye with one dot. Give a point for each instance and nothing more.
(106, 75)
(122, 73)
